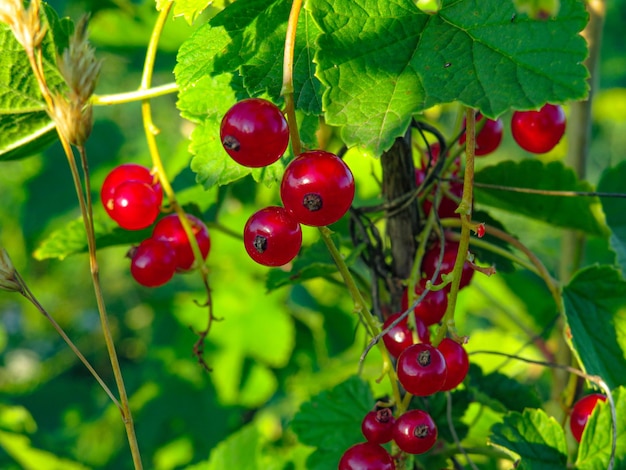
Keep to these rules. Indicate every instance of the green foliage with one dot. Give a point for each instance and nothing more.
(328, 421)
(406, 56)
(537, 438)
(594, 301)
(25, 128)
(563, 211)
(612, 181)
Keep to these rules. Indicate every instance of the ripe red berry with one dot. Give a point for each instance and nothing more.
(581, 411)
(272, 237)
(317, 188)
(131, 196)
(457, 363)
(366, 456)
(400, 336)
(377, 426)
(415, 432)
(539, 131)
(433, 306)
(421, 369)
(488, 138)
(170, 229)
(431, 260)
(153, 262)
(254, 132)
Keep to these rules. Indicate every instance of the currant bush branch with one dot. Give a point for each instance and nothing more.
(287, 89)
(132, 96)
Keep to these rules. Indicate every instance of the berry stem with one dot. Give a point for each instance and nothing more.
(287, 90)
(151, 131)
(132, 96)
(465, 212)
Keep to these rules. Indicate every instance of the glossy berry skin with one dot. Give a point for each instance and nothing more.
(128, 172)
(488, 138)
(131, 196)
(377, 426)
(431, 260)
(400, 336)
(581, 411)
(134, 205)
(432, 307)
(457, 363)
(254, 132)
(171, 230)
(366, 456)
(317, 188)
(421, 369)
(539, 131)
(153, 262)
(272, 237)
(415, 432)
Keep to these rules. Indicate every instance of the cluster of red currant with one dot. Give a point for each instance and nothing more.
(317, 187)
(132, 197)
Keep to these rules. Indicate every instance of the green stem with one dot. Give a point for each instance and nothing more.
(137, 95)
(287, 90)
(465, 212)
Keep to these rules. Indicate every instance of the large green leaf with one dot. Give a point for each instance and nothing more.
(241, 451)
(248, 37)
(595, 306)
(25, 128)
(612, 181)
(595, 446)
(384, 60)
(575, 212)
(537, 438)
(331, 421)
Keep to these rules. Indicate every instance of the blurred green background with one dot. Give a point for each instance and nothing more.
(271, 351)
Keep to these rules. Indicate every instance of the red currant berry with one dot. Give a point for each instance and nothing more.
(539, 131)
(377, 426)
(457, 363)
(153, 262)
(488, 138)
(421, 369)
(480, 230)
(433, 306)
(134, 206)
(581, 411)
(171, 230)
(431, 260)
(415, 432)
(128, 172)
(272, 237)
(254, 133)
(400, 336)
(366, 456)
(317, 188)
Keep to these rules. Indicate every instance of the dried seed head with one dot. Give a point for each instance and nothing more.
(24, 23)
(9, 280)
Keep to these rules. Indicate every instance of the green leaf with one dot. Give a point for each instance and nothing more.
(188, 9)
(384, 61)
(331, 420)
(72, 239)
(570, 212)
(25, 128)
(500, 392)
(537, 438)
(595, 447)
(595, 301)
(28, 457)
(242, 450)
(249, 38)
(612, 181)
